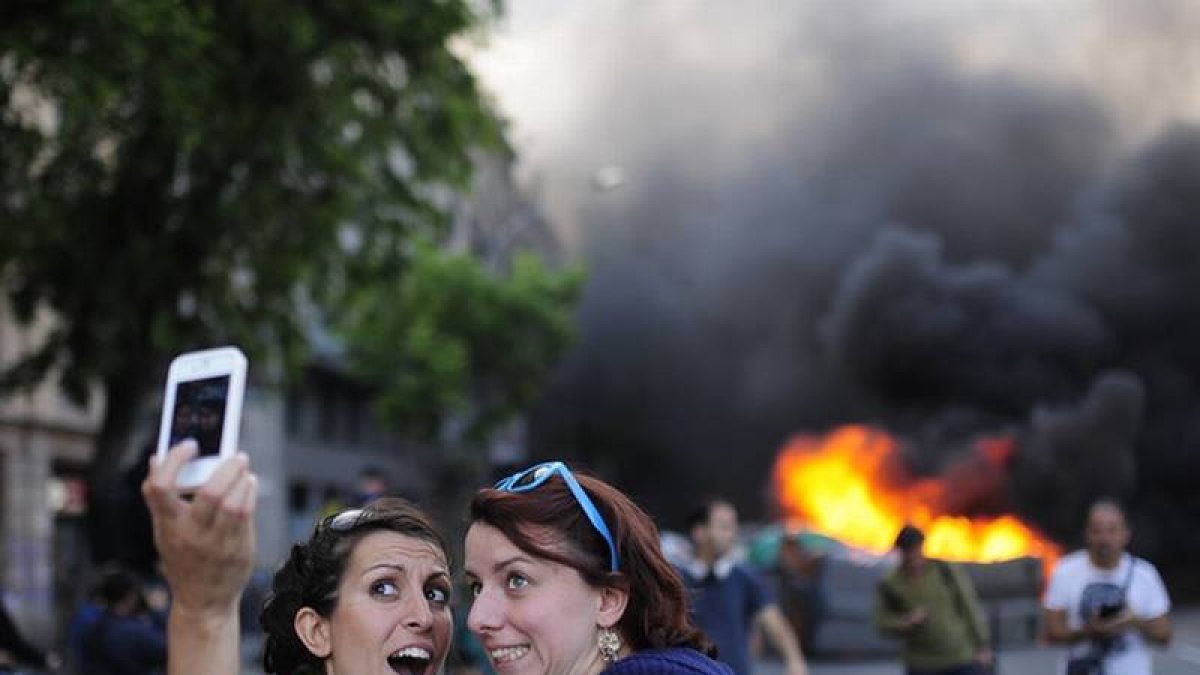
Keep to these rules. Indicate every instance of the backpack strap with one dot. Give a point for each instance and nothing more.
(960, 599)
(1133, 561)
(891, 596)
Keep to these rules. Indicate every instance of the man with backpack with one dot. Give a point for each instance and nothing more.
(932, 606)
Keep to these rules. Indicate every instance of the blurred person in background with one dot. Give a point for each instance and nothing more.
(1104, 604)
(86, 614)
(371, 485)
(729, 601)
(799, 569)
(932, 607)
(127, 637)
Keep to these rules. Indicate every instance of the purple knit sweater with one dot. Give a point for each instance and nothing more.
(674, 661)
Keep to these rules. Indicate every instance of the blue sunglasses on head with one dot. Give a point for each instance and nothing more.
(531, 478)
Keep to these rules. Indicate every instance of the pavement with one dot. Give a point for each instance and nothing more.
(1181, 658)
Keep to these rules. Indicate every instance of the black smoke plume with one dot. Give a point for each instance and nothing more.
(902, 240)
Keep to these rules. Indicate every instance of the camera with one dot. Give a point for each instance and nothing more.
(1108, 610)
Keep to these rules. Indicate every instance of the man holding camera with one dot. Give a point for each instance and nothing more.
(1105, 604)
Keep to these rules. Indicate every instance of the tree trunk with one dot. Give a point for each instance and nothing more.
(122, 399)
(118, 524)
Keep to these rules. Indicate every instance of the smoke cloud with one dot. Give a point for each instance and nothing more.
(947, 219)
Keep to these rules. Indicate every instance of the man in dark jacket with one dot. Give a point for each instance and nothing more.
(126, 639)
(729, 600)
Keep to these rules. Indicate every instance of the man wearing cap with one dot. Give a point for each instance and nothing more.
(932, 606)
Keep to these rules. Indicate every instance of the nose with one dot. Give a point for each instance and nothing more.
(419, 617)
(486, 614)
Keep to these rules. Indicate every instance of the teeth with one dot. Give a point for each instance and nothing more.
(505, 654)
(412, 653)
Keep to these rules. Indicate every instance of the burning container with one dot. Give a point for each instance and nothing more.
(844, 496)
(827, 591)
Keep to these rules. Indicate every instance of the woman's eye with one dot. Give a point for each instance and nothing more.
(474, 588)
(516, 581)
(437, 594)
(384, 588)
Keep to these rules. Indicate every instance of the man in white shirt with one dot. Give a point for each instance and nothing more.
(1104, 603)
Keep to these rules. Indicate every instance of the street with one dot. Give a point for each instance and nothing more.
(1179, 660)
(1182, 658)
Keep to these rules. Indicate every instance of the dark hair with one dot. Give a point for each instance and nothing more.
(701, 512)
(1108, 503)
(115, 585)
(540, 520)
(909, 538)
(313, 570)
(372, 471)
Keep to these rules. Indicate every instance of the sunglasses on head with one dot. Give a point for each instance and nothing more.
(534, 476)
(343, 521)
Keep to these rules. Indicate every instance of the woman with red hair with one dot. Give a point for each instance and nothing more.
(568, 578)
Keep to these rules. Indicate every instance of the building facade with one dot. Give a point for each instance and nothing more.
(45, 447)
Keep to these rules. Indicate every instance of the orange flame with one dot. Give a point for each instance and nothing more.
(852, 485)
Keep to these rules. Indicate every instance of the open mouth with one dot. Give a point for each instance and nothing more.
(410, 661)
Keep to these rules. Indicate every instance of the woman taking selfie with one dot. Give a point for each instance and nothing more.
(566, 575)
(367, 593)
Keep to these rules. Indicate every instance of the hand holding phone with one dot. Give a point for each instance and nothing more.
(202, 401)
(207, 550)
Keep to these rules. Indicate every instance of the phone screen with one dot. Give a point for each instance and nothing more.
(200, 413)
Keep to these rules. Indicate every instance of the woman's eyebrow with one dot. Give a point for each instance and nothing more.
(511, 561)
(391, 566)
(500, 565)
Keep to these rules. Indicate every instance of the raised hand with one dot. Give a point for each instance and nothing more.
(206, 542)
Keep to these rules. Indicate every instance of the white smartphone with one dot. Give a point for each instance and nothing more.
(203, 401)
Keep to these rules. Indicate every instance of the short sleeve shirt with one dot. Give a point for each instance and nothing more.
(725, 607)
(1078, 587)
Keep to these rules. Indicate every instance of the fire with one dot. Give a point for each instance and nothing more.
(852, 485)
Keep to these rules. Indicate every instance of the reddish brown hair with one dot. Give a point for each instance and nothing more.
(547, 522)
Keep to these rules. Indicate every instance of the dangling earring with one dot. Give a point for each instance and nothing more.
(609, 643)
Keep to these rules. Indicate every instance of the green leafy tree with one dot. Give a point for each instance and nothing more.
(451, 342)
(181, 174)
